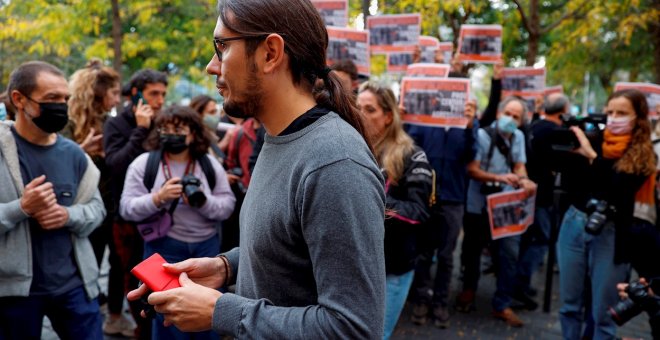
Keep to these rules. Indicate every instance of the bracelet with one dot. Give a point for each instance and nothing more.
(227, 269)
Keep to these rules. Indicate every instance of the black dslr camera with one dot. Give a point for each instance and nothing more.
(563, 139)
(639, 300)
(191, 188)
(238, 187)
(599, 213)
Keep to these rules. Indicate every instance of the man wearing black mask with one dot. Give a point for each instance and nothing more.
(123, 138)
(49, 204)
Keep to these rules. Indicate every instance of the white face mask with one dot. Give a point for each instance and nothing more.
(620, 126)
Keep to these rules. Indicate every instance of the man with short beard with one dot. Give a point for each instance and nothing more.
(311, 260)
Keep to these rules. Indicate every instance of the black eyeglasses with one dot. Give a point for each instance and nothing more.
(219, 44)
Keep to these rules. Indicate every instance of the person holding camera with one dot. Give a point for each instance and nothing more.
(183, 188)
(594, 239)
(499, 165)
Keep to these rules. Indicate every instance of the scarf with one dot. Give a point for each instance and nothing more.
(615, 145)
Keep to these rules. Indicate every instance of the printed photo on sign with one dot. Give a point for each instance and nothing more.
(428, 70)
(435, 101)
(523, 79)
(651, 91)
(510, 213)
(480, 43)
(397, 62)
(393, 33)
(428, 46)
(345, 43)
(447, 50)
(333, 12)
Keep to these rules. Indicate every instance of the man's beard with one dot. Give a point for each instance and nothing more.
(250, 103)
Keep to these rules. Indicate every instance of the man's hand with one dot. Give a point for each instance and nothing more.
(37, 196)
(528, 186)
(52, 218)
(189, 308)
(498, 69)
(206, 271)
(469, 112)
(231, 178)
(621, 287)
(92, 144)
(509, 179)
(143, 114)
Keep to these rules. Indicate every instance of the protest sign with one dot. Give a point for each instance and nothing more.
(345, 43)
(525, 82)
(480, 43)
(447, 50)
(393, 33)
(435, 101)
(510, 213)
(553, 89)
(428, 46)
(651, 91)
(397, 62)
(333, 12)
(427, 70)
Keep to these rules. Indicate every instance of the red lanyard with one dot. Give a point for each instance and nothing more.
(190, 168)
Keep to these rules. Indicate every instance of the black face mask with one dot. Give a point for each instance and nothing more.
(174, 144)
(53, 117)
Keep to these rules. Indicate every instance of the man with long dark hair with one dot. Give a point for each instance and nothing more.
(311, 261)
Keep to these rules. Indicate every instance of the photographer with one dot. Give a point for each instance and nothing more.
(182, 188)
(636, 297)
(594, 238)
(499, 165)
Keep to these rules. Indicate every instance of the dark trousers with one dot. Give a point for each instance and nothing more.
(72, 315)
(442, 232)
(476, 237)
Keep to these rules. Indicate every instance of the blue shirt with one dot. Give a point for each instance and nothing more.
(63, 163)
(449, 151)
(476, 201)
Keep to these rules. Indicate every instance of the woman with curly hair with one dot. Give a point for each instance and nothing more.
(607, 185)
(188, 198)
(95, 90)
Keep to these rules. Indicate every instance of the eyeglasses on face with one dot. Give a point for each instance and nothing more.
(219, 44)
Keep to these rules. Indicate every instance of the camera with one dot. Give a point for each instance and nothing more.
(563, 139)
(599, 213)
(489, 188)
(639, 300)
(238, 186)
(192, 190)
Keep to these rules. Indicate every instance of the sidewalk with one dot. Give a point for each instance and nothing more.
(481, 325)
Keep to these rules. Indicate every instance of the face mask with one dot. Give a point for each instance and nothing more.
(53, 117)
(211, 121)
(619, 126)
(506, 124)
(174, 144)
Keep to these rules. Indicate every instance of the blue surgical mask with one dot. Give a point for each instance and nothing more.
(506, 124)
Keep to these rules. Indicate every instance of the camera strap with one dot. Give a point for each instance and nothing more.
(498, 141)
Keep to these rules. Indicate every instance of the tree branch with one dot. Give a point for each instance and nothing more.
(523, 16)
(569, 15)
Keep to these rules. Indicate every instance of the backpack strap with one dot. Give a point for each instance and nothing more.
(208, 170)
(151, 169)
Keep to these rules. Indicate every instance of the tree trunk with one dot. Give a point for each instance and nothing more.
(534, 32)
(116, 36)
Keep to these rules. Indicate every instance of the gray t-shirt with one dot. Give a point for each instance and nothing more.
(312, 231)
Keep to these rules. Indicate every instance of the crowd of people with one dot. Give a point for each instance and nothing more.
(318, 213)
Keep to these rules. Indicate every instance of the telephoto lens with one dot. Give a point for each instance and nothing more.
(638, 301)
(192, 190)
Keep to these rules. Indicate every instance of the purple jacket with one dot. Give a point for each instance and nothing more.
(189, 224)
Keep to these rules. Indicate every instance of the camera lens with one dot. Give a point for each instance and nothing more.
(192, 191)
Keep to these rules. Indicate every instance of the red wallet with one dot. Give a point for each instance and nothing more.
(152, 273)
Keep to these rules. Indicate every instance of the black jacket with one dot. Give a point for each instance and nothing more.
(407, 204)
(122, 142)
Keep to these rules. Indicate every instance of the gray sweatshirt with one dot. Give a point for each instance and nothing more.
(85, 215)
(311, 260)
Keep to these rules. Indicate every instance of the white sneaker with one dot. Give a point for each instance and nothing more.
(121, 325)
